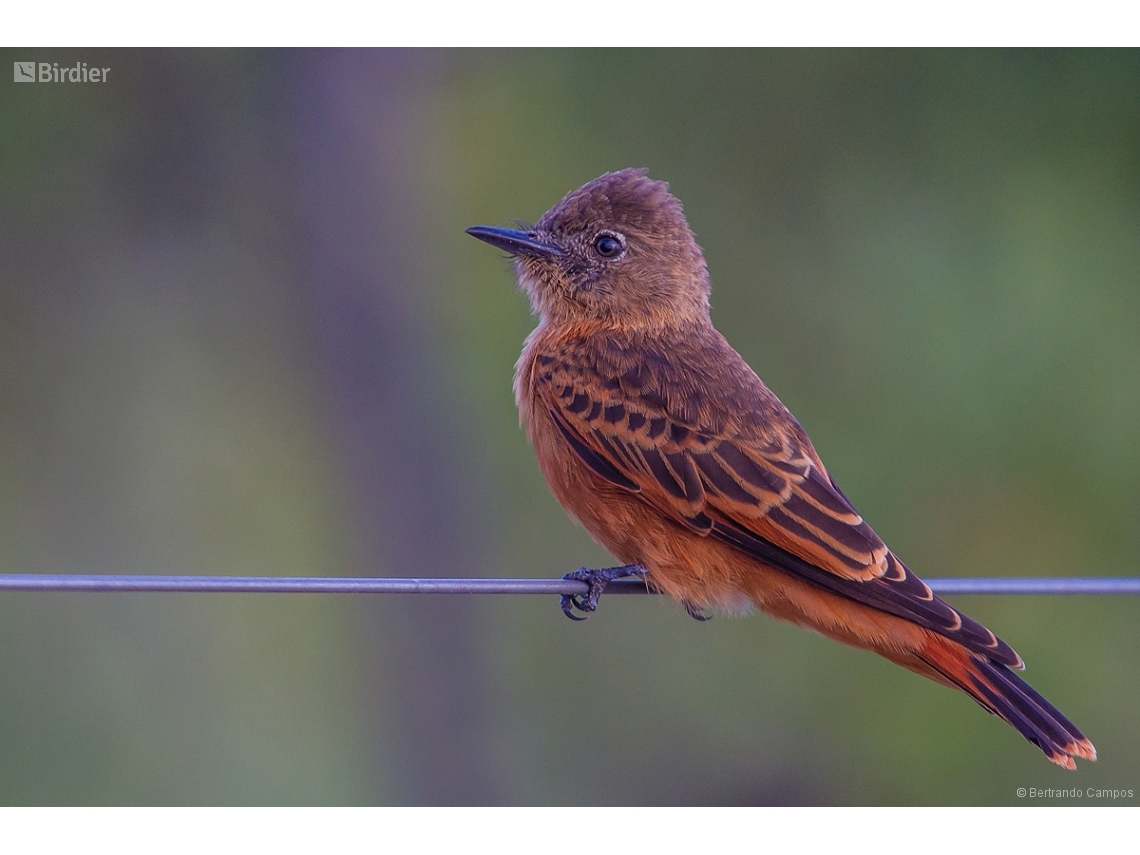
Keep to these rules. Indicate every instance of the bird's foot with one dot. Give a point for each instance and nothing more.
(597, 580)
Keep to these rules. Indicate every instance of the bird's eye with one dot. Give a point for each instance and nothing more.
(607, 246)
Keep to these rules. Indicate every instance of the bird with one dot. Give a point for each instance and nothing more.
(656, 436)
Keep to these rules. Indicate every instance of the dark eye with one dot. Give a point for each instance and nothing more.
(607, 246)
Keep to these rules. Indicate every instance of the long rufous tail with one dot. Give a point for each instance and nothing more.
(1000, 691)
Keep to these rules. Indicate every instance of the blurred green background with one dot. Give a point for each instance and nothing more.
(242, 332)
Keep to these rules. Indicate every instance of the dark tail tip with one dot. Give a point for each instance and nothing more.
(1010, 697)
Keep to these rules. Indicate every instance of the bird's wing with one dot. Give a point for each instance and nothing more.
(754, 482)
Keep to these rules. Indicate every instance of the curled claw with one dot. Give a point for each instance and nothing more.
(597, 580)
(696, 614)
(569, 602)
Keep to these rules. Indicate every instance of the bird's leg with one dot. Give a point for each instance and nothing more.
(597, 580)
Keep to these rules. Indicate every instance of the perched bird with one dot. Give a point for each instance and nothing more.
(656, 436)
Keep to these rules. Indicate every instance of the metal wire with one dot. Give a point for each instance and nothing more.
(392, 585)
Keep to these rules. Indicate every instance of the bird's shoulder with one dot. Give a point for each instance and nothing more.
(690, 377)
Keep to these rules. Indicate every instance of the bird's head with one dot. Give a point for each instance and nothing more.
(618, 250)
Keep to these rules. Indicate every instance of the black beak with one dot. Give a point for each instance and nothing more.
(515, 242)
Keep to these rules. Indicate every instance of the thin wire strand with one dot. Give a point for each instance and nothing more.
(1111, 585)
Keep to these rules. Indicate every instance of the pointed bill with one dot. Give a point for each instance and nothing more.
(515, 242)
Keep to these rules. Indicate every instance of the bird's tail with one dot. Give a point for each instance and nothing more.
(1003, 693)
